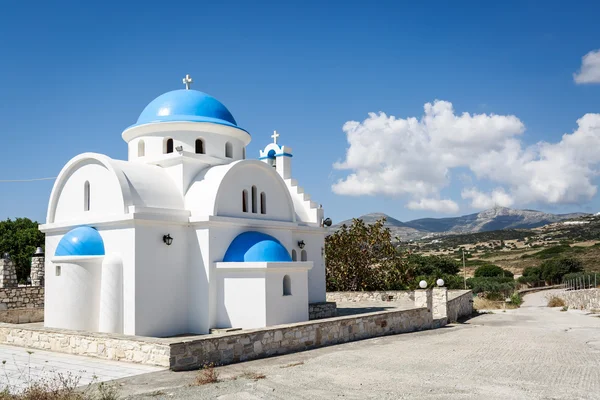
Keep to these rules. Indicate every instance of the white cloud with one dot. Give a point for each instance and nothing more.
(445, 206)
(415, 158)
(480, 200)
(590, 68)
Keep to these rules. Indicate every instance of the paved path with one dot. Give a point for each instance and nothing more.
(529, 353)
(21, 366)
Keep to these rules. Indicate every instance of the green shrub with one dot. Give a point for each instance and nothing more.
(553, 271)
(516, 299)
(492, 285)
(492, 271)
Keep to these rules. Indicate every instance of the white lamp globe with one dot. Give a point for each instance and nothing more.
(440, 282)
(422, 284)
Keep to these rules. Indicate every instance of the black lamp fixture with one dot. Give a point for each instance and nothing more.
(39, 252)
(327, 222)
(301, 244)
(167, 239)
(6, 256)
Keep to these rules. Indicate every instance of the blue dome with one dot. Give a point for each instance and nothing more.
(82, 241)
(256, 247)
(186, 105)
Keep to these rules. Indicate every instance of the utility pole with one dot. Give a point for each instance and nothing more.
(464, 268)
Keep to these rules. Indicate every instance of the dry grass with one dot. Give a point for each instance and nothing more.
(480, 303)
(255, 376)
(206, 375)
(556, 302)
(293, 364)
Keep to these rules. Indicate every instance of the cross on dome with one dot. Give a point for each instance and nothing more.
(187, 81)
(275, 135)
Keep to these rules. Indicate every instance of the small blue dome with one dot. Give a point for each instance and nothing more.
(186, 105)
(256, 247)
(81, 241)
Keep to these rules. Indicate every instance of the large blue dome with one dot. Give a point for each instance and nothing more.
(186, 105)
(81, 241)
(256, 247)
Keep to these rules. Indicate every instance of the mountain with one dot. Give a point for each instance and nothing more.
(488, 220)
(398, 228)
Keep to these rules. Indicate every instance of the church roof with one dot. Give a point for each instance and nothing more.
(256, 247)
(81, 241)
(187, 106)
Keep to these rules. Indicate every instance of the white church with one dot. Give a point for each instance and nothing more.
(185, 236)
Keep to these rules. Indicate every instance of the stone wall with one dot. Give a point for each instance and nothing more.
(112, 347)
(322, 310)
(391, 295)
(22, 315)
(21, 297)
(260, 343)
(8, 273)
(584, 299)
(460, 304)
(37, 271)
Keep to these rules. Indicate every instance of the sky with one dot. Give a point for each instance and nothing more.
(414, 109)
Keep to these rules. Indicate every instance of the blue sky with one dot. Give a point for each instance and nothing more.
(74, 75)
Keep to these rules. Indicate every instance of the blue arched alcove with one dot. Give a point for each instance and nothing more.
(256, 247)
(81, 241)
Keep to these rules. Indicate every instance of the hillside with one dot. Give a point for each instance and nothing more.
(498, 218)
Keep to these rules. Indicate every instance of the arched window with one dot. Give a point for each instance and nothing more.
(294, 255)
(287, 286)
(303, 256)
(228, 150)
(169, 146)
(141, 148)
(263, 203)
(86, 196)
(199, 146)
(245, 200)
(254, 205)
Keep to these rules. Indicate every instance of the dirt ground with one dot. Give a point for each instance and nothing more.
(529, 353)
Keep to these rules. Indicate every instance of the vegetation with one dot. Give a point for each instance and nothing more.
(19, 238)
(208, 374)
(492, 271)
(556, 302)
(494, 288)
(516, 299)
(362, 257)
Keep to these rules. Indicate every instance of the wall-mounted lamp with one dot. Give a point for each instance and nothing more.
(301, 244)
(39, 252)
(327, 222)
(6, 256)
(179, 149)
(167, 239)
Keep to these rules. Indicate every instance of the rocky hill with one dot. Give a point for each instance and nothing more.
(489, 220)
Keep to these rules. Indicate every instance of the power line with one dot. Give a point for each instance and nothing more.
(27, 180)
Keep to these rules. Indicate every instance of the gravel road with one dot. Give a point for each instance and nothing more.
(530, 353)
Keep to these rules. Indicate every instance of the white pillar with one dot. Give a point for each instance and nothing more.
(111, 295)
(284, 162)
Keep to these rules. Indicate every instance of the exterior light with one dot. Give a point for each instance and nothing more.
(6, 256)
(29, 280)
(179, 149)
(39, 252)
(167, 239)
(422, 284)
(301, 244)
(440, 282)
(327, 222)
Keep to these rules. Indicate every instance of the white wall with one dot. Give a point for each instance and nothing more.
(314, 242)
(241, 300)
(286, 309)
(214, 144)
(199, 269)
(161, 279)
(105, 194)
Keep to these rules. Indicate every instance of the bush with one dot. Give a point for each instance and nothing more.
(492, 286)
(556, 302)
(492, 271)
(553, 271)
(516, 299)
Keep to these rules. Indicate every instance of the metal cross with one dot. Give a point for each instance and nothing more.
(275, 136)
(187, 81)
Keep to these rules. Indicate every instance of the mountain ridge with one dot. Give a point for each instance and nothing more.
(496, 218)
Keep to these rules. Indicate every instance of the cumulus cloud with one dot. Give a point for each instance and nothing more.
(445, 206)
(414, 159)
(498, 197)
(590, 68)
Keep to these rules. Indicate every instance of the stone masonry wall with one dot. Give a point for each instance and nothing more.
(112, 347)
(322, 310)
(584, 299)
(8, 273)
(37, 271)
(21, 297)
(390, 295)
(460, 304)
